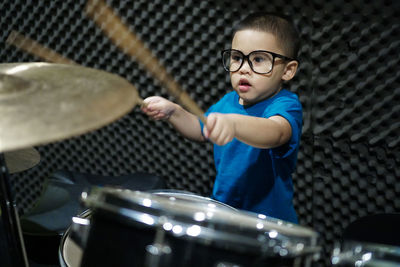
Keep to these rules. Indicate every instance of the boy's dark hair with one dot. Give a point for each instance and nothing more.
(280, 26)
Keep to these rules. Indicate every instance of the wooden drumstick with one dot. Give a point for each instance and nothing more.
(31, 46)
(130, 44)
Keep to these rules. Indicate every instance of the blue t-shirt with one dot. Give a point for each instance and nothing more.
(255, 179)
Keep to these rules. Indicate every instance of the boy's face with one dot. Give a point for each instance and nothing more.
(250, 86)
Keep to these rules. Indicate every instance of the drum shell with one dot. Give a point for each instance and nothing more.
(114, 242)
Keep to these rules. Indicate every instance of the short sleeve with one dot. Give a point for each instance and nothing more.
(289, 107)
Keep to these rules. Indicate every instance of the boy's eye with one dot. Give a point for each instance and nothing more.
(260, 58)
(236, 57)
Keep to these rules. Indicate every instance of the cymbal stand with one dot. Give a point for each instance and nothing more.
(12, 248)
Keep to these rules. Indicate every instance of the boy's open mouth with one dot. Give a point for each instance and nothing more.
(244, 85)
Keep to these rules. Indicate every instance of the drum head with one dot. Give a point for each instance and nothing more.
(191, 197)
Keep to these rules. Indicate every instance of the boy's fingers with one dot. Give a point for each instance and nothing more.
(211, 119)
(146, 103)
(206, 132)
(151, 99)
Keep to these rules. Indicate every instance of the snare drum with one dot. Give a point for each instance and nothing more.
(71, 250)
(132, 228)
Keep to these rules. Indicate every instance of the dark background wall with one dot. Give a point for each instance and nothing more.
(348, 83)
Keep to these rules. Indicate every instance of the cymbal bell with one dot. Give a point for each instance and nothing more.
(21, 160)
(46, 102)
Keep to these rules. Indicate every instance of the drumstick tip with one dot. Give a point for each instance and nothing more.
(11, 37)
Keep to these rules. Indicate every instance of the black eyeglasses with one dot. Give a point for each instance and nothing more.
(260, 61)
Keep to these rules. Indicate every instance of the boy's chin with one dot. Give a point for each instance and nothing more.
(245, 101)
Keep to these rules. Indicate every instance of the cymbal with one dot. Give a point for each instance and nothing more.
(21, 160)
(46, 102)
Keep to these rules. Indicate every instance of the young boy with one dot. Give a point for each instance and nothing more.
(256, 128)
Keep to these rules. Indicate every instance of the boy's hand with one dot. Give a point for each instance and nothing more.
(158, 108)
(219, 128)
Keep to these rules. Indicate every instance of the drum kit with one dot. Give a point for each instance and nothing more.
(42, 103)
(180, 229)
(45, 102)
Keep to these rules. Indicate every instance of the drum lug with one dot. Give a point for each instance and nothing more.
(158, 250)
(154, 254)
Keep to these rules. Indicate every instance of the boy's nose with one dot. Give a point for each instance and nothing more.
(245, 67)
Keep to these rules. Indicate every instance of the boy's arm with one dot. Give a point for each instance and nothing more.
(183, 121)
(186, 123)
(258, 132)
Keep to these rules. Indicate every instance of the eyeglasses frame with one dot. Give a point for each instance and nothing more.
(247, 57)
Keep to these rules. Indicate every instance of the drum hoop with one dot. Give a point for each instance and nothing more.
(61, 257)
(349, 251)
(275, 224)
(184, 193)
(361, 247)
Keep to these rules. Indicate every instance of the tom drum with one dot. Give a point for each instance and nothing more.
(133, 228)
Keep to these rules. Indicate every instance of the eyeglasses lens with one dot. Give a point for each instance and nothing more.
(260, 62)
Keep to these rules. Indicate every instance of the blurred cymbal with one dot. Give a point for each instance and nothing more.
(21, 160)
(45, 102)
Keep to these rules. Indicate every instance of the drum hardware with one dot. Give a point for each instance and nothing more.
(156, 252)
(42, 103)
(355, 253)
(15, 254)
(12, 162)
(74, 240)
(371, 240)
(21, 160)
(80, 230)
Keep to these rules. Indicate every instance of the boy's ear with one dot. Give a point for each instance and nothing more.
(290, 70)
